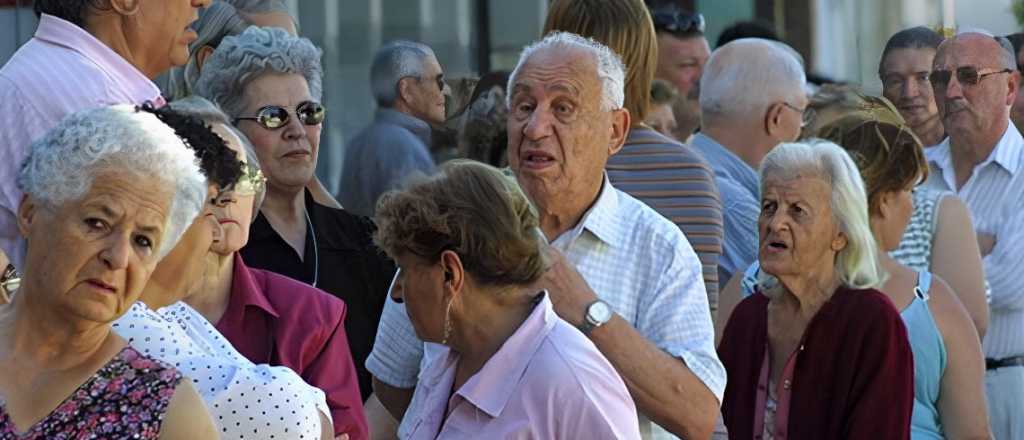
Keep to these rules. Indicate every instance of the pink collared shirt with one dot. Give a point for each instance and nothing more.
(547, 381)
(61, 70)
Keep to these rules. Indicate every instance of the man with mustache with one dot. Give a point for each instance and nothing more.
(904, 68)
(975, 82)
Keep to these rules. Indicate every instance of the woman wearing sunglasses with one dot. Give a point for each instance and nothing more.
(270, 318)
(270, 83)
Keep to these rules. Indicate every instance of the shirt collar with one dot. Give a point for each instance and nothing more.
(602, 219)
(493, 386)
(245, 287)
(418, 127)
(59, 32)
(1006, 154)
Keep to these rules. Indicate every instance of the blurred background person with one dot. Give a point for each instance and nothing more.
(469, 248)
(269, 318)
(682, 52)
(82, 56)
(1017, 111)
(408, 84)
(661, 117)
(816, 352)
(270, 83)
(904, 67)
(659, 171)
(112, 189)
(482, 135)
(266, 13)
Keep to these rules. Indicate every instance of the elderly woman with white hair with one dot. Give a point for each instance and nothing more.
(270, 318)
(109, 192)
(817, 352)
(270, 84)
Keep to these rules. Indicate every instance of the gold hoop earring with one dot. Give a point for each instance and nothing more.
(447, 323)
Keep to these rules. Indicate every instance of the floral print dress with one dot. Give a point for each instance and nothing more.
(127, 398)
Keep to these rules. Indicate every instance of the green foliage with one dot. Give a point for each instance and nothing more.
(1018, 11)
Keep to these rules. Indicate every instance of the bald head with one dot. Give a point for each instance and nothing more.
(746, 76)
(990, 51)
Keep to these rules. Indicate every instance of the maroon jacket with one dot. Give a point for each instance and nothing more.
(273, 319)
(854, 378)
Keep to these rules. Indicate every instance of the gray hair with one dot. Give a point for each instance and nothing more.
(748, 75)
(610, 69)
(62, 164)
(394, 61)
(857, 265)
(258, 6)
(201, 108)
(241, 59)
(215, 22)
(1008, 56)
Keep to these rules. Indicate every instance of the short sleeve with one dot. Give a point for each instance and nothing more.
(397, 351)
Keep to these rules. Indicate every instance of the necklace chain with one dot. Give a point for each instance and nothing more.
(316, 251)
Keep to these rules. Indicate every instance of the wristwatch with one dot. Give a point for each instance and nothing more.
(598, 313)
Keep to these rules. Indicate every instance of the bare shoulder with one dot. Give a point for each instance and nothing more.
(952, 213)
(950, 314)
(187, 418)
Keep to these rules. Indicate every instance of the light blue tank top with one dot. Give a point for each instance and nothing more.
(928, 348)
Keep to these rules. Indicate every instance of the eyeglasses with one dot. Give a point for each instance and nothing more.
(674, 20)
(806, 114)
(9, 283)
(439, 80)
(966, 75)
(273, 117)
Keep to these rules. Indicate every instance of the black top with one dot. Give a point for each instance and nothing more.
(352, 268)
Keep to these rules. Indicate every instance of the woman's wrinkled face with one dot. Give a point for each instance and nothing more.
(188, 258)
(287, 154)
(164, 26)
(798, 232)
(234, 210)
(91, 258)
(420, 285)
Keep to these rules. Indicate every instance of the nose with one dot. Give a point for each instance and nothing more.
(954, 89)
(910, 89)
(201, 3)
(294, 129)
(539, 124)
(115, 255)
(216, 231)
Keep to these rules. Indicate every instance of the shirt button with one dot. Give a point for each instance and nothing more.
(801, 347)
(785, 384)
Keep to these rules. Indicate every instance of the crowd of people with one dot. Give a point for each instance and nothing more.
(640, 237)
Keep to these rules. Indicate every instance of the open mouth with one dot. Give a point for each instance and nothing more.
(777, 246)
(538, 159)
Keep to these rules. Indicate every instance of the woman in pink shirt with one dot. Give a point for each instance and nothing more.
(468, 246)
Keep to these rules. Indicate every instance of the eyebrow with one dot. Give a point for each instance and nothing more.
(111, 213)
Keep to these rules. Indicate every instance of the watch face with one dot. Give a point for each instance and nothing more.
(600, 312)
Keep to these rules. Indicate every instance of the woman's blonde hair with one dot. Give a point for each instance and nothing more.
(625, 26)
(471, 209)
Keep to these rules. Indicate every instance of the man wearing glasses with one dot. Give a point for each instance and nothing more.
(975, 81)
(408, 84)
(752, 98)
(682, 52)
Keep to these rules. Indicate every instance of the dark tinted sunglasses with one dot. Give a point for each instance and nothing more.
(676, 21)
(273, 117)
(966, 75)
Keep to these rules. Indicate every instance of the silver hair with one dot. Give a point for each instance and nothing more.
(857, 264)
(258, 6)
(1008, 56)
(241, 59)
(209, 113)
(610, 69)
(394, 61)
(748, 75)
(61, 166)
(215, 22)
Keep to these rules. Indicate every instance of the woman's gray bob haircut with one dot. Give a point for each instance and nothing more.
(258, 6)
(61, 166)
(394, 61)
(241, 59)
(201, 108)
(610, 69)
(217, 21)
(857, 265)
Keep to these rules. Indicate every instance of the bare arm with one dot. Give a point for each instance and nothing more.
(663, 387)
(382, 425)
(728, 299)
(957, 259)
(962, 396)
(186, 417)
(395, 400)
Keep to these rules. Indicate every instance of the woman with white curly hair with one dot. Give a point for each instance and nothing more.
(109, 192)
(270, 84)
(817, 351)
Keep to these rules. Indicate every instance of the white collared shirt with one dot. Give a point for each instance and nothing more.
(634, 259)
(246, 401)
(994, 195)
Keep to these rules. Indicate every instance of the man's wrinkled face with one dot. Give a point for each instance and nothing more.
(559, 136)
(972, 109)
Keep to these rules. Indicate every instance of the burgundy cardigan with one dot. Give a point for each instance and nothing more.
(854, 378)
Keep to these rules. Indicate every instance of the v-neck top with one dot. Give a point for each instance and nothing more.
(125, 399)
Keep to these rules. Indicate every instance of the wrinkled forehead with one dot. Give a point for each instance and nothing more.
(803, 185)
(569, 70)
(977, 50)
